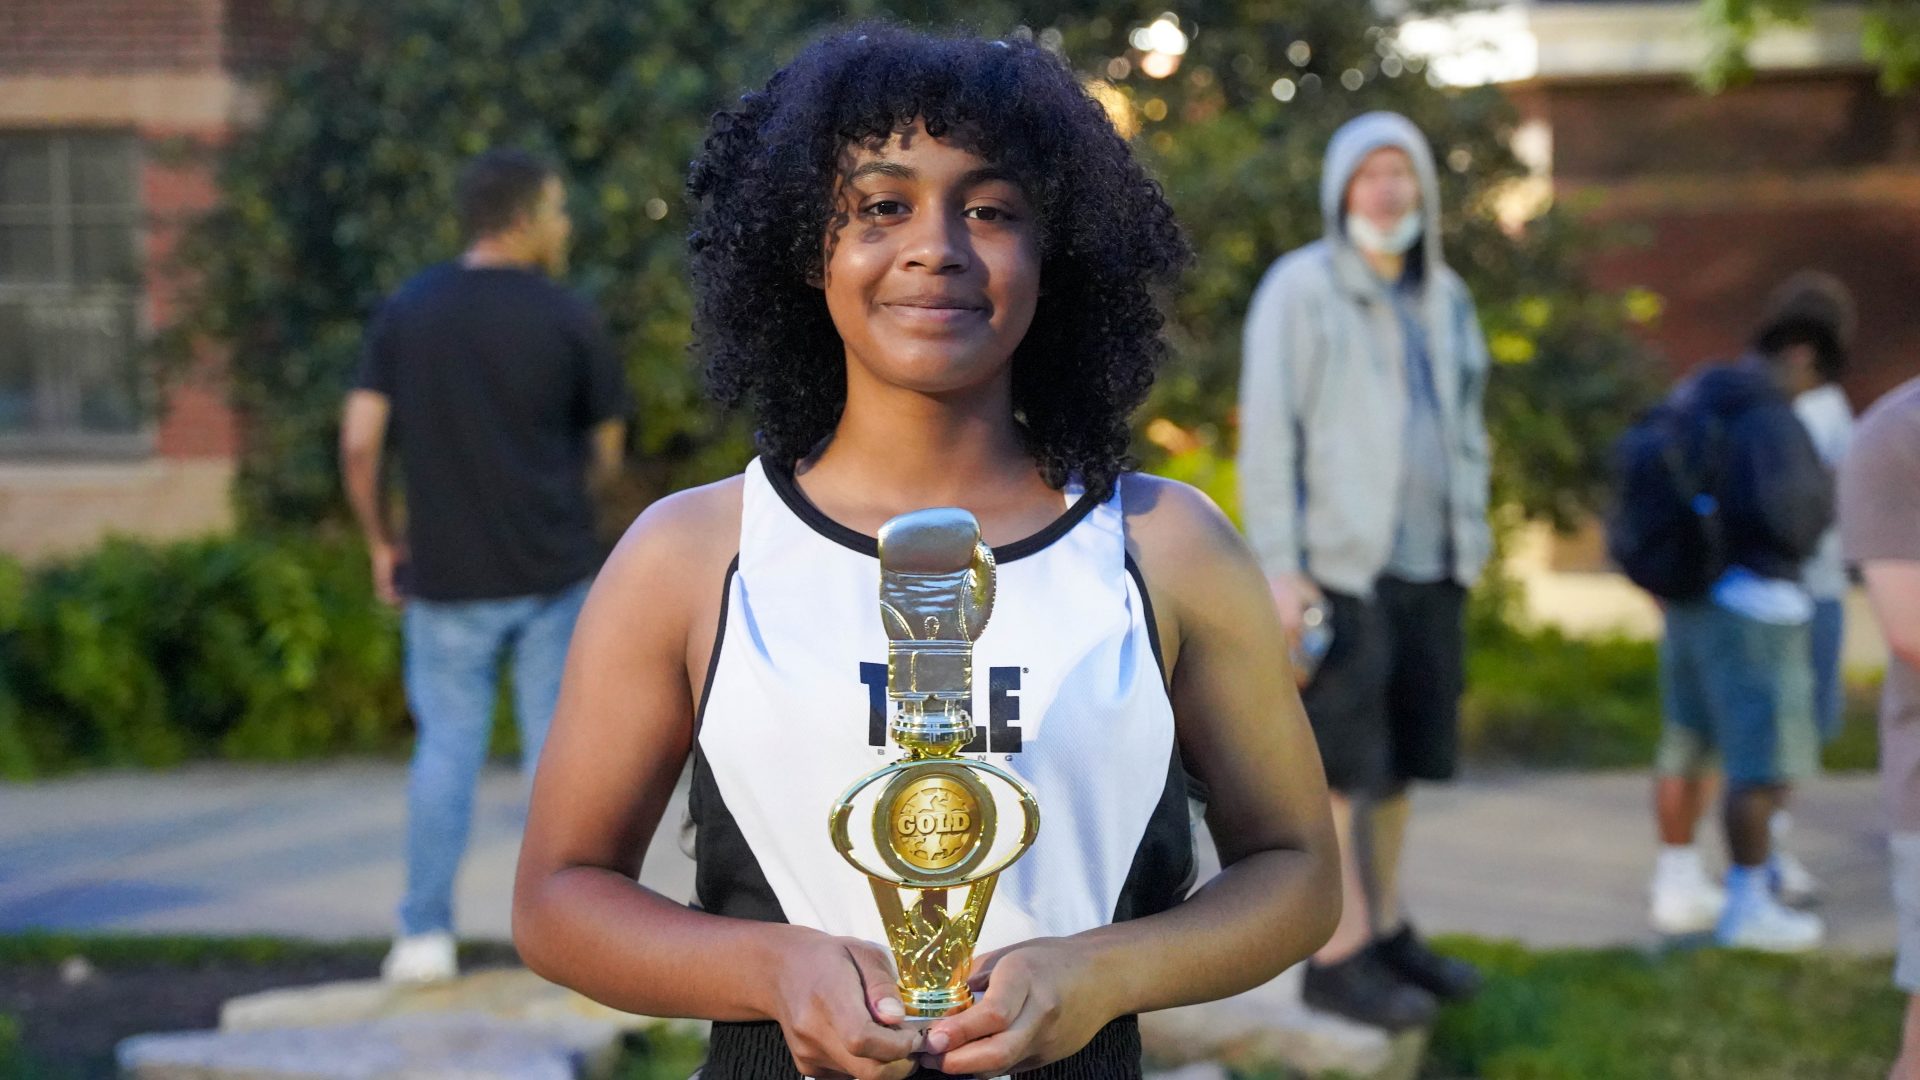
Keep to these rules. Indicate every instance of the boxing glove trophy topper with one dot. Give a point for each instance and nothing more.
(933, 847)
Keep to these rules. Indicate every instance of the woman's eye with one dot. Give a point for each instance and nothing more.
(987, 213)
(885, 208)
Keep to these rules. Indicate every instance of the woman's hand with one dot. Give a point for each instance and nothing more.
(1043, 1001)
(840, 1012)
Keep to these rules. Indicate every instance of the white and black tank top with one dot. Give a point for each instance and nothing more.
(1069, 695)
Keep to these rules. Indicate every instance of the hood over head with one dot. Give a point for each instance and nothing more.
(1730, 388)
(1350, 145)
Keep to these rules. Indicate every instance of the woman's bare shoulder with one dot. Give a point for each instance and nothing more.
(1171, 525)
(1200, 573)
(686, 537)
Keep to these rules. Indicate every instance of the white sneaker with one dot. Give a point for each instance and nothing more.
(421, 958)
(1686, 904)
(1792, 882)
(1767, 925)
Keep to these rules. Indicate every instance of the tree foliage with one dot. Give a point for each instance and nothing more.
(1890, 37)
(343, 189)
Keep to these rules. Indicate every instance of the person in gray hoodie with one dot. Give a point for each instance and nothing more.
(1363, 471)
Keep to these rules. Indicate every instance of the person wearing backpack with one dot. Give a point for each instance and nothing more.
(1723, 497)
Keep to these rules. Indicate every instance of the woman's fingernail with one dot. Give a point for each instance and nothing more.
(891, 1010)
(937, 1042)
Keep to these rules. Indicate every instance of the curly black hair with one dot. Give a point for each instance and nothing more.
(764, 192)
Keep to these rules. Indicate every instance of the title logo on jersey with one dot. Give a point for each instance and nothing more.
(999, 735)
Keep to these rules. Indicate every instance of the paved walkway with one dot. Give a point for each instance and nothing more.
(1549, 859)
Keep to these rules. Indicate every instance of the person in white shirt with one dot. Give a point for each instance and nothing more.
(1828, 418)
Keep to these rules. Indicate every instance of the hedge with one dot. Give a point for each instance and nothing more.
(244, 647)
(1542, 698)
(272, 648)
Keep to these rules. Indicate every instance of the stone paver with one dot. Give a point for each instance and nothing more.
(511, 994)
(1548, 859)
(459, 1046)
(1563, 860)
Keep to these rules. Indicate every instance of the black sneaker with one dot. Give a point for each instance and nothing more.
(1363, 989)
(1445, 977)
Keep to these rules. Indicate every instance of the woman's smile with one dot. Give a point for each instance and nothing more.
(935, 312)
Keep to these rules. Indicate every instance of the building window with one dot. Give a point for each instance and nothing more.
(70, 370)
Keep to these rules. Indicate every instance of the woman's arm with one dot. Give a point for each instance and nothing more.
(1242, 731)
(621, 734)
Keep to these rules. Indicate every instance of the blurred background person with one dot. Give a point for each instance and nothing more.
(1363, 466)
(1723, 500)
(1824, 410)
(1880, 528)
(508, 402)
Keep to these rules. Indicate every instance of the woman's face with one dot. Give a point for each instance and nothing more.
(932, 264)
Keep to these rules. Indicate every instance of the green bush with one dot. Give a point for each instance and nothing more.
(248, 647)
(1542, 698)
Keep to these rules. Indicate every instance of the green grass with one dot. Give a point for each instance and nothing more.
(122, 950)
(1708, 1014)
(109, 951)
(661, 1054)
(13, 1062)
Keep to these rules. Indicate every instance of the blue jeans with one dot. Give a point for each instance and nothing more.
(1829, 692)
(453, 654)
(1740, 687)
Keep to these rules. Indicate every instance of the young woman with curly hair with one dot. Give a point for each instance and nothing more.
(925, 264)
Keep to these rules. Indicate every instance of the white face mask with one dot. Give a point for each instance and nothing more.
(1396, 239)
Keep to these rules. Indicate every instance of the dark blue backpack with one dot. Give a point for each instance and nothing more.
(1666, 532)
(1722, 472)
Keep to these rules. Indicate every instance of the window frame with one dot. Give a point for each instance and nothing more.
(72, 441)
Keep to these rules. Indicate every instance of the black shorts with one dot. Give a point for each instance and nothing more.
(1385, 704)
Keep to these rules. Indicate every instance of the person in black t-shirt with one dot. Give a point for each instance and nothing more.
(507, 402)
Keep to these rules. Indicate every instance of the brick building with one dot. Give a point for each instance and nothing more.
(1808, 165)
(96, 98)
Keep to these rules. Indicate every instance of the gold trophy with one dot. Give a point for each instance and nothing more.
(936, 845)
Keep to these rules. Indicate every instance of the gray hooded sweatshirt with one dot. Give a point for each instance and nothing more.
(1324, 392)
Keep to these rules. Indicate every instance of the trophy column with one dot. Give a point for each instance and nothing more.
(936, 847)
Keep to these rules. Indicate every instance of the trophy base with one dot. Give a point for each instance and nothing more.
(933, 1004)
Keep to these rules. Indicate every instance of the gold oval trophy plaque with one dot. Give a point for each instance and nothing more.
(936, 847)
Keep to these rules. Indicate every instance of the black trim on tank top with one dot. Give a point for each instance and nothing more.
(727, 878)
(719, 637)
(780, 476)
(1153, 626)
(1164, 865)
